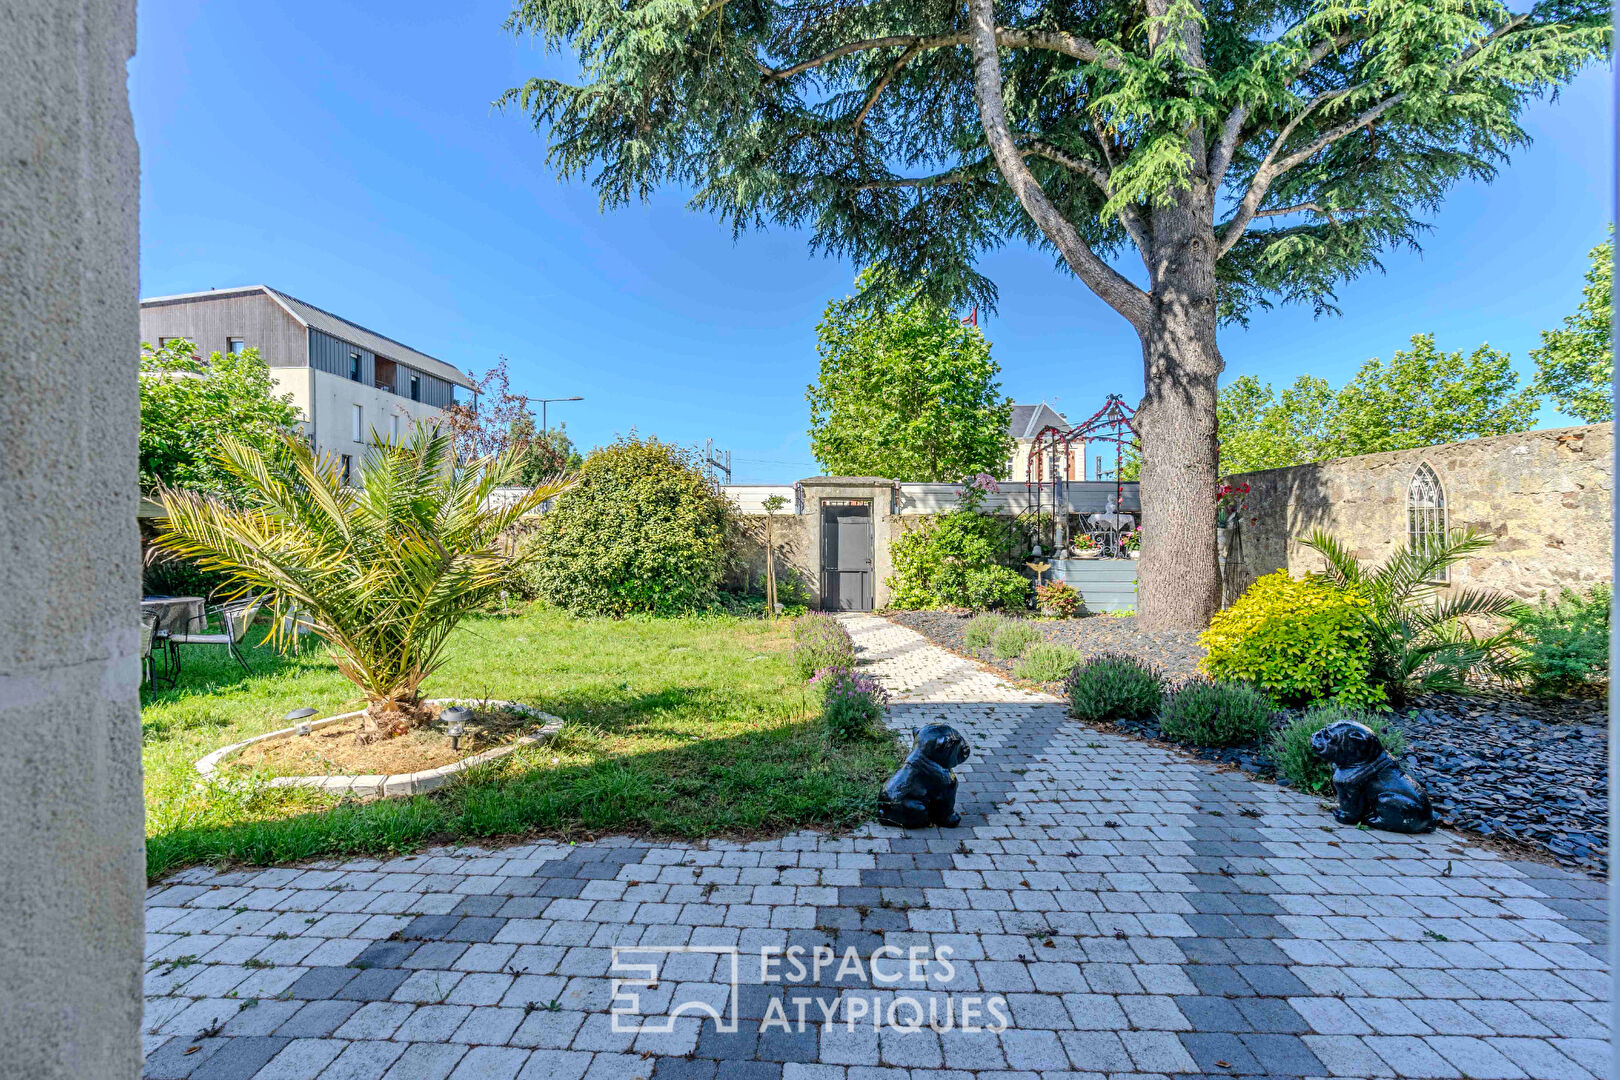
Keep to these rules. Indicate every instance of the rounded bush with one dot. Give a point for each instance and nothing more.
(1058, 600)
(1300, 641)
(1206, 713)
(1046, 662)
(1012, 638)
(1291, 747)
(820, 641)
(956, 560)
(852, 702)
(1114, 686)
(980, 629)
(644, 531)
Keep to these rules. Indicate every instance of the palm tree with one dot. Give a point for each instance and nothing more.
(1419, 640)
(382, 572)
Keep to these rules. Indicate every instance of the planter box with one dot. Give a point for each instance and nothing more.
(413, 783)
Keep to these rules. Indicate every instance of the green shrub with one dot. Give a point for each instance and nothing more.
(1012, 638)
(1058, 600)
(1047, 662)
(820, 641)
(1299, 641)
(852, 703)
(958, 559)
(645, 531)
(1566, 643)
(1113, 686)
(1206, 713)
(980, 629)
(1291, 747)
(1418, 641)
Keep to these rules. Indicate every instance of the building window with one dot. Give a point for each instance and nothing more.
(416, 388)
(354, 366)
(1426, 514)
(235, 346)
(348, 467)
(359, 418)
(393, 427)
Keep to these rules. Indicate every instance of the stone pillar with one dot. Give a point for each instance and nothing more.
(72, 868)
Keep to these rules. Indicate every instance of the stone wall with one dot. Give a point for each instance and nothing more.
(1544, 495)
(72, 867)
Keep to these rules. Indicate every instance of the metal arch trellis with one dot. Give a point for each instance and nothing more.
(1111, 423)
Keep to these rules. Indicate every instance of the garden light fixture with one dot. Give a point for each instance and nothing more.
(455, 719)
(300, 722)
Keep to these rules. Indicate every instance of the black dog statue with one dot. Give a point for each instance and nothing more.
(923, 791)
(1372, 788)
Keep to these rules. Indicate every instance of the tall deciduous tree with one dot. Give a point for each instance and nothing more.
(189, 405)
(1424, 396)
(1260, 430)
(1575, 364)
(1421, 397)
(1247, 151)
(907, 392)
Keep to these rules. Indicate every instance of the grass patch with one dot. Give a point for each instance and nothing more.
(672, 727)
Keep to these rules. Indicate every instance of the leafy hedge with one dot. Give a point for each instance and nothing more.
(956, 560)
(1566, 642)
(1299, 641)
(644, 531)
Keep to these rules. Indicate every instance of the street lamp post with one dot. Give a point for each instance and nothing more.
(546, 401)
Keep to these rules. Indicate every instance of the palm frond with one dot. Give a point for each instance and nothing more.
(382, 573)
(1343, 568)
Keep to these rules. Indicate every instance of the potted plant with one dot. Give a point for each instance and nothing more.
(1132, 543)
(1083, 547)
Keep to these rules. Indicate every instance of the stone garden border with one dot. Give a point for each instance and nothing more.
(413, 783)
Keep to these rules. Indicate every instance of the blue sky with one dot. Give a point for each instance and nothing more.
(348, 154)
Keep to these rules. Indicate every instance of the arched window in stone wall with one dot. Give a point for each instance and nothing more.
(1426, 512)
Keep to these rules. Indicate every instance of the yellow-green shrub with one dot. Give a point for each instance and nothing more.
(1299, 641)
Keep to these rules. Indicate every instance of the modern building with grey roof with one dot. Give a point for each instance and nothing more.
(352, 383)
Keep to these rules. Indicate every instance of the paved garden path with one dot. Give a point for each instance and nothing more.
(1133, 912)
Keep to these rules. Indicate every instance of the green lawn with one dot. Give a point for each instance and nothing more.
(673, 727)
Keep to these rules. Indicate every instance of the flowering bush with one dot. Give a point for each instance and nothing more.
(1299, 641)
(973, 490)
(1132, 541)
(1058, 600)
(1083, 542)
(820, 641)
(1231, 500)
(852, 703)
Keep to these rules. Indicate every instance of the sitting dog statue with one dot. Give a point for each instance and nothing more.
(923, 791)
(1372, 788)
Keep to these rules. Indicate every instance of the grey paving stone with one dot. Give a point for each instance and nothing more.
(239, 1058)
(317, 1019)
(426, 1061)
(301, 1059)
(365, 1060)
(321, 983)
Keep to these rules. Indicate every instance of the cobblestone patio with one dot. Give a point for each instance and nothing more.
(1141, 915)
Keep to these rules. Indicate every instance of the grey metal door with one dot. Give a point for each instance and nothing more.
(846, 555)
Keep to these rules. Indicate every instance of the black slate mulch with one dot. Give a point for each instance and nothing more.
(1526, 771)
